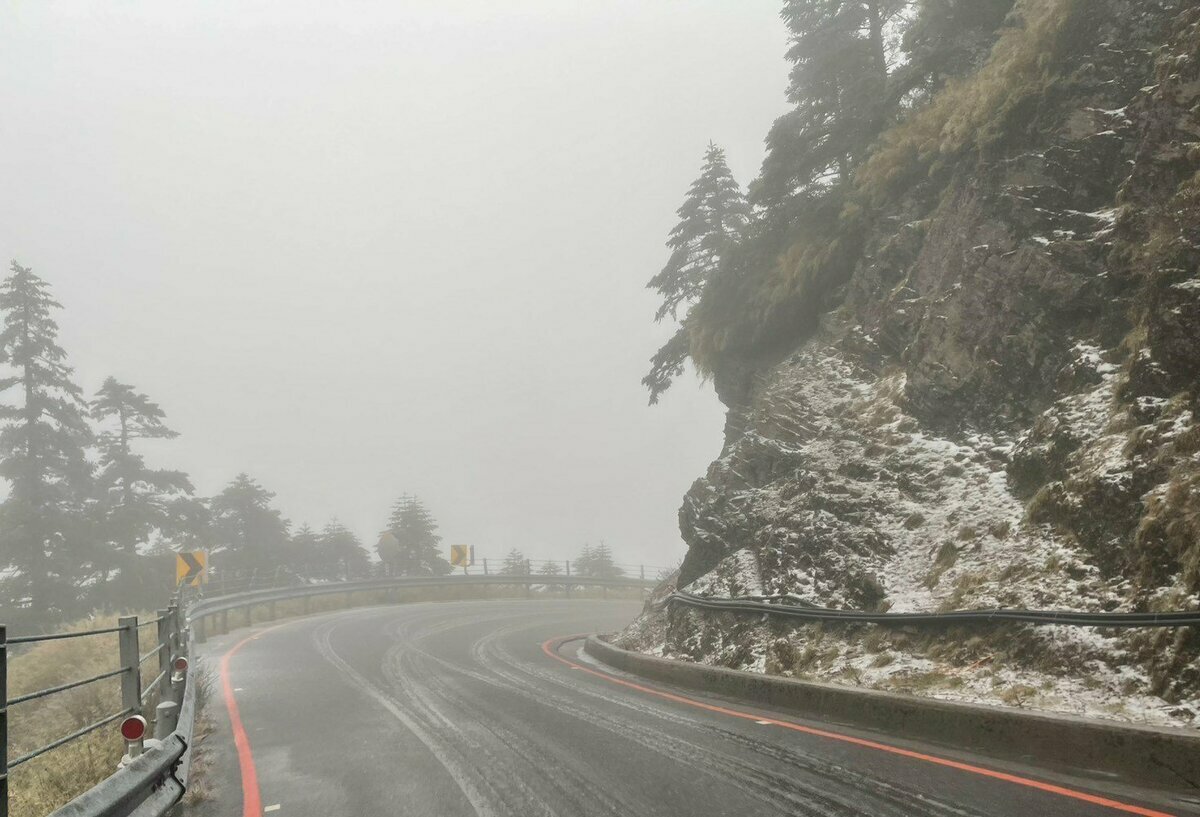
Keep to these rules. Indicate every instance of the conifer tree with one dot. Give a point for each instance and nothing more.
(416, 552)
(136, 500)
(248, 532)
(190, 527)
(602, 565)
(42, 442)
(713, 217)
(838, 87)
(308, 555)
(341, 546)
(947, 38)
(551, 568)
(585, 562)
(515, 564)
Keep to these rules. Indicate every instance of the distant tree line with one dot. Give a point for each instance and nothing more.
(749, 269)
(88, 525)
(592, 562)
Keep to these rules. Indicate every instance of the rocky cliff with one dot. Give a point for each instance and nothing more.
(996, 407)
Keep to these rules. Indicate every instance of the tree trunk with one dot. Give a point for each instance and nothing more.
(31, 492)
(875, 26)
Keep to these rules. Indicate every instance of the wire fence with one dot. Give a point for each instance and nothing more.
(136, 699)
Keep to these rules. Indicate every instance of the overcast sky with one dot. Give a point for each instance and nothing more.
(358, 249)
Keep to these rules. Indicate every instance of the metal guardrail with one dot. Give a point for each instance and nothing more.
(202, 609)
(151, 784)
(154, 781)
(775, 605)
(170, 643)
(228, 582)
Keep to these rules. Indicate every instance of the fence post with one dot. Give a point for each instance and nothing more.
(3, 721)
(178, 647)
(485, 570)
(642, 568)
(131, 678)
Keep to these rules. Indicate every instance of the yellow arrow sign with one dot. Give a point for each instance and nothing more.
(191, 568)
(462, 555)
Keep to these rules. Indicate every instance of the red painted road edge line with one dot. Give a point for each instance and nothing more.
(251, 799)
(550, 648)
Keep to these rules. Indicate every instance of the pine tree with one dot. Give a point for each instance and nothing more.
(42, 444)
(136, 500)
(947, 38)
(416, 552)
(134, 503)
(551, 569)
(602, 565)
(713, 217)
(585, 562)
(248, 532)
(838, 87)
(345, 550)
(515, 564)
(310, 559)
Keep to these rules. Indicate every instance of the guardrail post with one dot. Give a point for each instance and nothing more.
(642, 570)
(166, 718)
(131, 678)
(568, 564)
(165, 651)
(224, 622)
(3, 721)
(485, 570)
(201, 631)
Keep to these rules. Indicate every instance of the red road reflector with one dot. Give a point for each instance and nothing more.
(133, 727)
(181, 664)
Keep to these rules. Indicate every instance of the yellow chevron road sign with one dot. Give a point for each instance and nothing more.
(191, 568)
(462, 555)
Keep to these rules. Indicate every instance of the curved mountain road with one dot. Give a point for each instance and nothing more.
(464, 709)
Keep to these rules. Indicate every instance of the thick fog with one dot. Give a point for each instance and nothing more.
(362, 249)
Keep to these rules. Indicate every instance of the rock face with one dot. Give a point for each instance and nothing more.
(999, 410)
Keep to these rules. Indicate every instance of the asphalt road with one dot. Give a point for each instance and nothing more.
(458, 709)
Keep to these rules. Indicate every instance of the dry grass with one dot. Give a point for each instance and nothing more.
(973, 111)
(47, 782)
